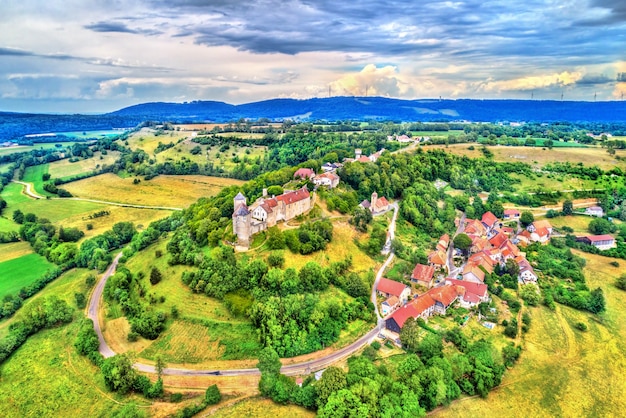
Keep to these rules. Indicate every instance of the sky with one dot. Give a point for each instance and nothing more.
(91, 56)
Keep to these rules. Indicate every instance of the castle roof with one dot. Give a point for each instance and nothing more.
(242, 210)
(295, 196)
(240, 196)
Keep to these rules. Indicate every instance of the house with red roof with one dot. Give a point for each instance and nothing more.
(498, 239)
(443, 296)
(423, 275)
(396, 321)
(437, 259)
(376, 205)
(443, 242)
(388, 288)
(489, 220)
(470, 294)
(304, 174)
(540, 235)
(482, 260)
(436, 300)
(328, 179)
(511, 214)
(601, 242)
(475, 227)
(473, 273)
(389, 305)
(540, 224)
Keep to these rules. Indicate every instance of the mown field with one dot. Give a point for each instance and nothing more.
(147, 140)
(13, 250)
(563, 371)
(34, 175)
(539, 157)
(261, 408)
(167, 191)
(20, 272)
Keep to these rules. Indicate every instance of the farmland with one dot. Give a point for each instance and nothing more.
(64, 168)
(14, 250)
(168, 191)
(20, 272)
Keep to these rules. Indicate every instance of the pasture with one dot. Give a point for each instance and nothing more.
(20, 272)
(64, 168)
(34, 175)
(563, 371)
(7, 225)
(538, 157)
(168, 191)
(148, 140)
(14, 250)
(261, 408)
(36, 146)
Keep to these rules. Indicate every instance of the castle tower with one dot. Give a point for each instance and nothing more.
(357, 153)
(241, 220)
(373, 201)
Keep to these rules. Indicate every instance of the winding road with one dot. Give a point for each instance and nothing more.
(290, 370)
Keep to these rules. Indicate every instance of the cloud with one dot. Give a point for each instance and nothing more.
(607, 12)
(372, 81)
(592, 79)
(562, 79)
(15, 52)
(119, 27)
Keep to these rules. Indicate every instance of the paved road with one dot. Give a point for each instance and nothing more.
(30, 193)
(381, 271)
(291, 369)
(94, 304)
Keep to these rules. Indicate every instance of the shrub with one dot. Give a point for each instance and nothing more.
(212, 395)
(176, 397)
(132, 337)
(376, 345)
(155, 275)
(581, 326)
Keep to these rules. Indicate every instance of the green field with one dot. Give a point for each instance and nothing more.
(55, 210)
(7, 225)
(64, 168)
(20, 272)
(34, 175)
(26, 148)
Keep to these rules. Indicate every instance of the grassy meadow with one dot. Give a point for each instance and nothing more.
(37, 146)
(261, 408)
(64, 168)
(20, 272)
(563, 371)
(12, 250)
(34, 175)
(168, 191)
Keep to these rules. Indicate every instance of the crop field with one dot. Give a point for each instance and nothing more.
(13, 250)
(54, 209)
(563, 371)
(20, 272)
(168, 191)
(65, 168)
(538, 157)
(147, 140)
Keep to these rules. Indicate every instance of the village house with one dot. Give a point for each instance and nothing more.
(601, 242)
(489, 220)
(328, 179)
(390, 305)
(444, 242)
(437, 259)
(423, 275)
(475, 227)
(388, 288)
(436, 300)
(594, 211)
(526, 272)
(511, 214)
(304, 174)
(326, 167)
(470, 294)
(540, 235)
(540, 224)
(473, 273)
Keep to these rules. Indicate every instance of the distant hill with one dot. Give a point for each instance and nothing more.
(13, 125)
(380, 108)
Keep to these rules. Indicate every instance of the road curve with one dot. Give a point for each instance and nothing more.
(305, 367)
(28, 190)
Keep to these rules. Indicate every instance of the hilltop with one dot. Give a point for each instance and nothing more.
(14, 125)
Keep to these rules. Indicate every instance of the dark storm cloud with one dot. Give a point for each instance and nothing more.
(119, 27)
(14, 52)
(615, 13)
(469, 29)
(593, 79)
(621, 77)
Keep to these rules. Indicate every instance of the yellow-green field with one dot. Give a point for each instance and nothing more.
(168, 191)
(13, 250)
(7, 225)
(563, 371)
(26, 148)
(54, 209)
(65, 168)
(555, 182)
(578, 223)
(261, 408)
(147, 140)
(539, 157)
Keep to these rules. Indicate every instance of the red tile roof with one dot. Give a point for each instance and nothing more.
(293, 197)
(304, 173)
(542, 232)
(364, 159)
(542, 224)
(423, 303)
(382, 202)
(511, 212)
(489, 219)
(474, 269)
(437, 257)
(595, 238)
(404, 313)
(478, 289)
(391, 287)
(498, 239)
(444, 295)
(423, 273)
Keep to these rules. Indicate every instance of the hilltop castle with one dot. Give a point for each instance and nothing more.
(266, 212)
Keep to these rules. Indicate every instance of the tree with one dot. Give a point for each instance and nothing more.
(212, 395)
(409, 335)
(527, 218)
(155, 275)
(462, 241)
(568, 207)
(159, 365)
(269, 362)
(18, 216)
(511, 268)
(333, 380)
(530, 294)
(430, 347)
(118, 373)
(620, 283)
(597, 303)
(600, 226)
